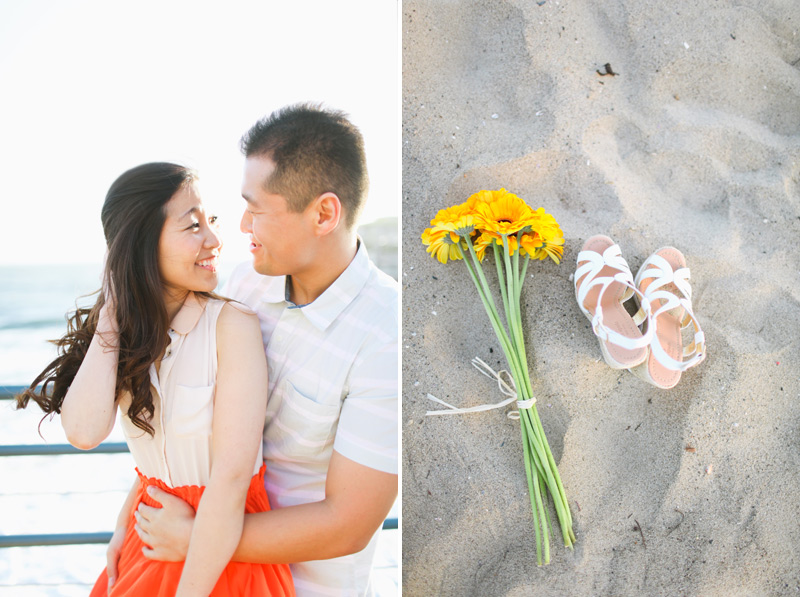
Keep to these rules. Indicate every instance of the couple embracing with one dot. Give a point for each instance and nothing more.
(306, 334)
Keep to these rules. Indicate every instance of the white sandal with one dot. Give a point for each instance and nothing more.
(663, 279)
(603, 282)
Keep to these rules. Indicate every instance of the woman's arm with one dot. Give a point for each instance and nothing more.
(239, 407)
(88, 411)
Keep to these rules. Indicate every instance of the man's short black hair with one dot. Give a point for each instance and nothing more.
(315, 151)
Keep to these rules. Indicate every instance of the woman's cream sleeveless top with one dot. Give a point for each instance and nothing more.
(179, 453)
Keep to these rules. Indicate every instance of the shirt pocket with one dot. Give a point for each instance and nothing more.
(302, 430)
(192, 411)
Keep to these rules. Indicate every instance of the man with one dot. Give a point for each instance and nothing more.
(329, 324)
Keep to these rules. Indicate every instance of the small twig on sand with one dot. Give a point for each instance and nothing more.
(679, 522)
(639, 528)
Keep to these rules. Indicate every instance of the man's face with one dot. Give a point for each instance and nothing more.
(282, 241)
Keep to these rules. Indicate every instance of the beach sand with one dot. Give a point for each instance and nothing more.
(694, 143)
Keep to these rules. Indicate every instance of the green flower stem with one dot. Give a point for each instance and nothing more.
(551, 460)
(553, 480)
(542, 489)
(501, 277)
(533, 497)
(512, 358)
(518, 367)
(547, 471)
(519, 280)
(537, 505)
(513, 316)
(551, 474)
(543, 518)
(537, 435)
(521, 347)
(478, 270)
(522, 276)
(510, 353)
(508, 282)
(486, 298)
(536, 450)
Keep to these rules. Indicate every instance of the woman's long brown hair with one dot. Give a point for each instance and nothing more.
(133, 215)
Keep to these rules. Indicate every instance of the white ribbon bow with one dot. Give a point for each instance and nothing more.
(508, 389)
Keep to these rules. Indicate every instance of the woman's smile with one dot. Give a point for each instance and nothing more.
(210, 263)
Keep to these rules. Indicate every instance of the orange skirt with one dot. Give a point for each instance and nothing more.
(142, 577)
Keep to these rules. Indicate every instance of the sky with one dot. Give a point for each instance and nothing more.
(93, 88)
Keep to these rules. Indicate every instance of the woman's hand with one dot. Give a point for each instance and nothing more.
(118, 538)
(165, 531)
(112, 554)
(108, 313)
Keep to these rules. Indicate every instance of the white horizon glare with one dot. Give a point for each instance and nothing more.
(93, 88)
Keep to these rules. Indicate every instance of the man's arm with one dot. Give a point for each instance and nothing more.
(357, 497)
(357, 500)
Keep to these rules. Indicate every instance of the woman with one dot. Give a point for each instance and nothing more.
(187, 371)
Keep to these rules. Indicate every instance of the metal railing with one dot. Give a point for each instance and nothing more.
(7, 393)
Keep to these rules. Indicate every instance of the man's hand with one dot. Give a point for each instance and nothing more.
(165, 531)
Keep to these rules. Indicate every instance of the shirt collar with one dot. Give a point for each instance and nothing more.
(189, 314)
(328, 306)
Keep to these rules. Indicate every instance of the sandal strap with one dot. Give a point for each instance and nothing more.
(694, 353)
(594, 263)
(608, 335)
(660, 271)
(587, 274)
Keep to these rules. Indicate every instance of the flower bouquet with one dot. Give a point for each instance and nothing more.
(501, 222)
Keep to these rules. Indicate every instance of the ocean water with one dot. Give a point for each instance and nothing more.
(75, 493)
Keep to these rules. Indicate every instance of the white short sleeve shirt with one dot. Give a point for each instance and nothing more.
(332, 386)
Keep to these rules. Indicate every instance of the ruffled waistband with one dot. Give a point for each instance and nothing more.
(192, 493)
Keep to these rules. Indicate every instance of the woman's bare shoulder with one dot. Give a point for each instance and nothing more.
(236, 306)
(236, 319)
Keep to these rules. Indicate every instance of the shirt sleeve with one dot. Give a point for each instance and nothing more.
(367, 430)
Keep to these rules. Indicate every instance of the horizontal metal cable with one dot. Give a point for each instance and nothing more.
(60, 449)
(8, 392)
(58, 539)
(88, 538)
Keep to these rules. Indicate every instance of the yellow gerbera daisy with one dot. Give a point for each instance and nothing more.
(501, 212)
(441, 243)
(554, 249)
(448, 228)
(538, 248)
(458, 218)
(488, 238)
(545, 224)
(545, 238)
(484, 197)
(530, 243)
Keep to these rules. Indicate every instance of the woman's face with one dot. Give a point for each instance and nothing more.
(188, 250)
